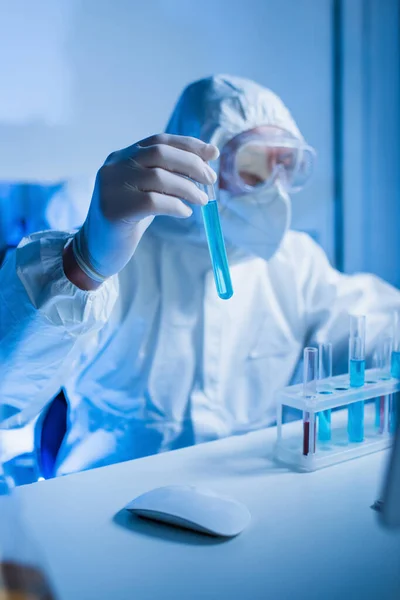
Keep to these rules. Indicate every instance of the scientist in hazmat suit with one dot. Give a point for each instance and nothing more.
(124, 314)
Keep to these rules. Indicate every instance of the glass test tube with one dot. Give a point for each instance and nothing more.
(216, 245)
(309, 391)
(395, 372)
(357, 376)
(385, 354)
(325, 372)
(395, 361)
(382, 360)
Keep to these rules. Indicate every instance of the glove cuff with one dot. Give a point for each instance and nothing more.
(80, 251)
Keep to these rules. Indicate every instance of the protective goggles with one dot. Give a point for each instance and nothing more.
(258, 160)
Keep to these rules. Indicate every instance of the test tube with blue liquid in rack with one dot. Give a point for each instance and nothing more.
(395, 372)
(357, 376)
(325, 374)
(395, 361)
(309, 391)
(353, 433)
(216, 245)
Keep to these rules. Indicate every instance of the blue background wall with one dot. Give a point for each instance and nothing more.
(371, 134)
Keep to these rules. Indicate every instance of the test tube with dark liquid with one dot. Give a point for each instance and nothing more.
(309, 391)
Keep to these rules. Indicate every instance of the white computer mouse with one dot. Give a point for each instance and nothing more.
(192, 508)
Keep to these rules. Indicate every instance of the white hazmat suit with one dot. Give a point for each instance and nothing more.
(153, 359)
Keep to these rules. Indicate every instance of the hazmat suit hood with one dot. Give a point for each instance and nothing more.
(215, 110)
(218, 108)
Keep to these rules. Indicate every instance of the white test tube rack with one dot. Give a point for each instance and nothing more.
(336, 394)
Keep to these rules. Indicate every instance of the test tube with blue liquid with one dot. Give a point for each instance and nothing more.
(324, 373)
(395, 373)
(216, 245)
(309, 391)
(357, 376)
(395, 361)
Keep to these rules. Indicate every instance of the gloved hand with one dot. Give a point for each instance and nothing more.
(132, 187)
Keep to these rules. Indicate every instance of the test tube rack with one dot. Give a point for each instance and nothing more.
(298, 441)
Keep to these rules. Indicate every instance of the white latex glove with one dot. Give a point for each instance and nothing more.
(133, 186)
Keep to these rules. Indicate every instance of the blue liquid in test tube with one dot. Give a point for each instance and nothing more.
(324, 426)
(357, 372)
(216, 246)
(395, 364)
(356, 422)
(395, 358)
(355, 426)
(395, 372)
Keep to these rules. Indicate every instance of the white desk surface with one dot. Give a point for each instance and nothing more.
(312, 535)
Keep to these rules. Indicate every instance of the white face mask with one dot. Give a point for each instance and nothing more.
(255, 222)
